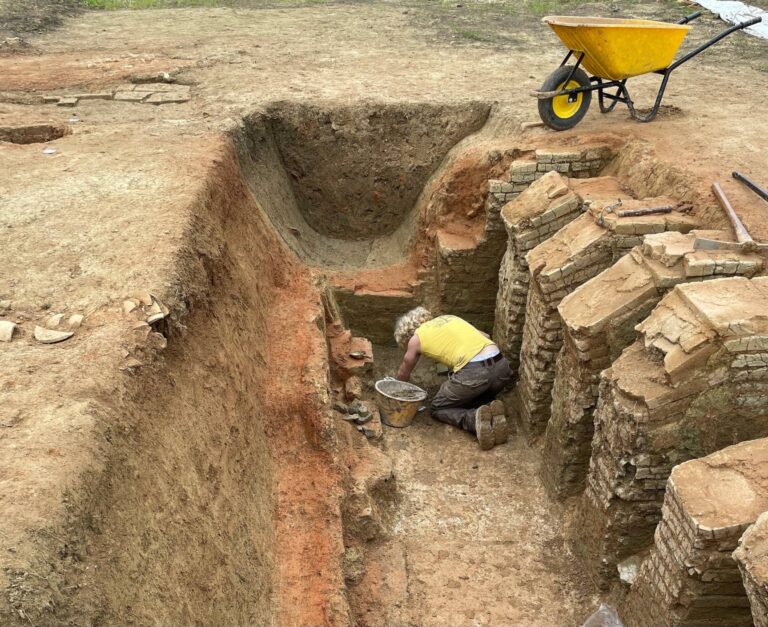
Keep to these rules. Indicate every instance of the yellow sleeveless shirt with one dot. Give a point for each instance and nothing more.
(451, 341)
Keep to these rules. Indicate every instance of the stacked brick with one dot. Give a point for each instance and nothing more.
(752, 558)
(599, 321)
(578, 252)
(543, 209)
(467, 271)
(696, 381)
(690, 577)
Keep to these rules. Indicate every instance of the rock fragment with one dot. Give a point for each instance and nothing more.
(51, 336)
(54, 321)
(7, 329)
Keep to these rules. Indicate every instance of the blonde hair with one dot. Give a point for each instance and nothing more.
(407, 324)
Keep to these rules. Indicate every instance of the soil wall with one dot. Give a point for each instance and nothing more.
(170, 518)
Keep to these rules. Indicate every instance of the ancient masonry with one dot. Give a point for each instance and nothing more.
(140, 93)
(467, 276)
(690, 577)
(540, 211)
(575, 254)
(695, 382)
(752, 558)
(599, 321)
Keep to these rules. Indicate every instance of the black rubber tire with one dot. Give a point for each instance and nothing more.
(552, 83)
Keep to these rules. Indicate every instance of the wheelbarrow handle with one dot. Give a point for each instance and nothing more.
(752, 22)
(689, 18)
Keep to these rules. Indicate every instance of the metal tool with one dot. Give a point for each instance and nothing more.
(744, 241)
(607, 209)
(644, 212)
(760, 191)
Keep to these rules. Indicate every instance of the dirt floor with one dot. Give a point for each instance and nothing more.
(474, 539)
(141, 198)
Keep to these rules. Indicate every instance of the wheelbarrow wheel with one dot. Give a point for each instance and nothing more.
(563, 112)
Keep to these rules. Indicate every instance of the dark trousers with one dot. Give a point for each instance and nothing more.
(459, 397)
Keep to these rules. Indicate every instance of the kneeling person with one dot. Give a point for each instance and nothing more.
(479, 372)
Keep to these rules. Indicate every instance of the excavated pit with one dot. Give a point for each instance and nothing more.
(314, 228)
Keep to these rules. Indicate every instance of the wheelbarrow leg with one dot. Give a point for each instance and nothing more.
(668, 71)
(647, 118)
(615, 98)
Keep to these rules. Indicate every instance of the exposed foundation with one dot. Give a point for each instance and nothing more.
(575, 254)
(599, 321)
(693, 384)
(690, 578)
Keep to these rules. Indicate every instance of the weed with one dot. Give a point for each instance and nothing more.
(148, 4)
(472, 35)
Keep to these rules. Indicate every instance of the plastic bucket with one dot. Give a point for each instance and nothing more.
(398, 401)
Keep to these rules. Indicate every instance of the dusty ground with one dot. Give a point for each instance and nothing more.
(474, 539)
(114, 212)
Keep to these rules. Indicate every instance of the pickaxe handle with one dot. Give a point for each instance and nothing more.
(742, 235)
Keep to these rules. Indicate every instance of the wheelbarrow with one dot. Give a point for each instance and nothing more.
(612, 51)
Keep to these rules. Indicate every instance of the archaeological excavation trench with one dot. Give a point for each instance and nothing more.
(230, 487)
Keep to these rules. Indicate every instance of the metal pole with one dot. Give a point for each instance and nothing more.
(751, 184)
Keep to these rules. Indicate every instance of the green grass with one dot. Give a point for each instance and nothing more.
(472, 35)
(544, 7)
(148, 4)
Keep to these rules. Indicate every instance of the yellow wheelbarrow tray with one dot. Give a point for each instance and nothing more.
(612, 51)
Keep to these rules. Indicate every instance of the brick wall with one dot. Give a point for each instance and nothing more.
(690, 577)
(598, 323)
(696, 381)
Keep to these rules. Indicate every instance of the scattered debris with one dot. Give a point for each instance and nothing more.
(358, 355)
(75, 321)
(54, 321)
(339, 406)
(359, 407)
(129, 306)
(361, 420)
(67, 102)
(50, 150)
(51, 336)
(629, 568)
(6, 330)
(367, 431)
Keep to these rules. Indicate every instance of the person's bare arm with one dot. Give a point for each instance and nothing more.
(410, 359)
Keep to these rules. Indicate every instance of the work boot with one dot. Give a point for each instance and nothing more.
(484, 427)
(499, 423)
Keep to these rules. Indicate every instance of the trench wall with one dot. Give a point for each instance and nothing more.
(171, 519)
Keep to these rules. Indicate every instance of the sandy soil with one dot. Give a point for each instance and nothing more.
(114, 212)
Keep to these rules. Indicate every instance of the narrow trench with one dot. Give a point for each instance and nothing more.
(417, 526)
(234, 488)
(470, 537)
(560, 247)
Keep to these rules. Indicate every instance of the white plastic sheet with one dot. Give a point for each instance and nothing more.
(735, 12)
